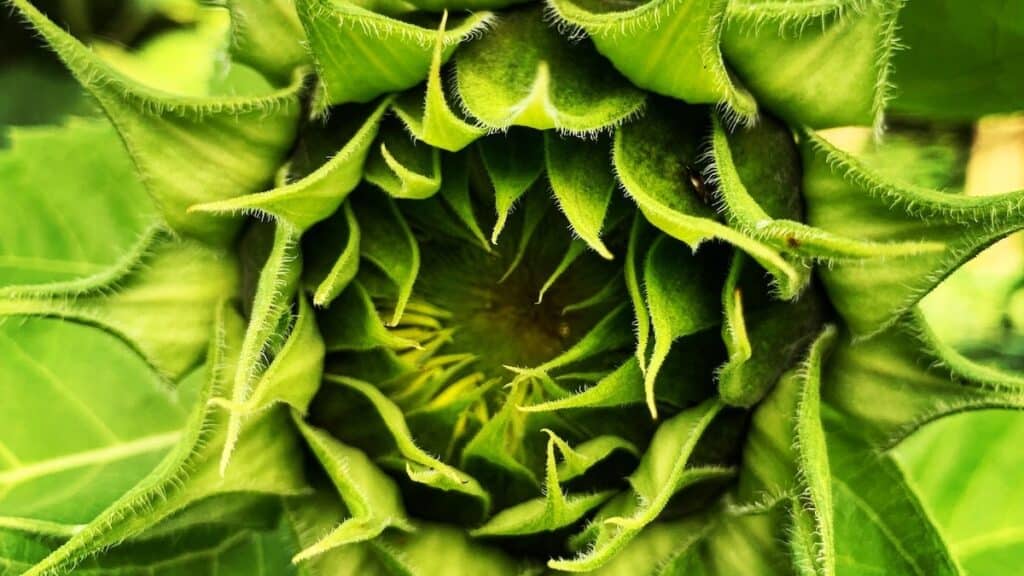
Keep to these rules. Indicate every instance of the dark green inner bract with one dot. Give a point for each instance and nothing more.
(497, 317)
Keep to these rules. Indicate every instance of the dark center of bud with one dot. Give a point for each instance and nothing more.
(500, 311)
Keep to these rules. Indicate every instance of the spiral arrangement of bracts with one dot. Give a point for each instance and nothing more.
(489, 287)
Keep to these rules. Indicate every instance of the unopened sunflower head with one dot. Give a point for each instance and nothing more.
(485, 287)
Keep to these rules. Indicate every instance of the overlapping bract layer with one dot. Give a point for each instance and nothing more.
(529, 293)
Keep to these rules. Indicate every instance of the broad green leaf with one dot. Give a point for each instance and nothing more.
(163, 307)
(523, 73)
(680, 290)
(820, 64)
(583, 183)
(656, 160)
(903, 378)
(966, 469)
(763, 342)
(553, 511)
(880, 524)
(332, 266)
(420, 466)
(513, 161)
(315, 196)
(670, 47)
(403, 169)
(267, 35)
(198, 550)
(846, 197)
(662, 472)
(275, 289)
(43, 248)
(361, 54)
(771, 208)
(231, 510)
(242, 138)
(962, 60)
(387, 242)
(189, 473)
(371, 497)
(427, 114)
(102, 420)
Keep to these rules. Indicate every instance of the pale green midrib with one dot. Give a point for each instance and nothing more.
(878, 521)
(57, 385)
(6, 454)
(984, 542)
(90, 315)
(87, 307)
(213, 552)
(113, 453)
(39, 526)
(105, 275)
(43, 264)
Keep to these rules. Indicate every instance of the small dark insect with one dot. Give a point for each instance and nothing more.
(698, 184)
(564, 330)
(792, 242)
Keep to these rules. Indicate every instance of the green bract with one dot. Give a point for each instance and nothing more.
(462, 287)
